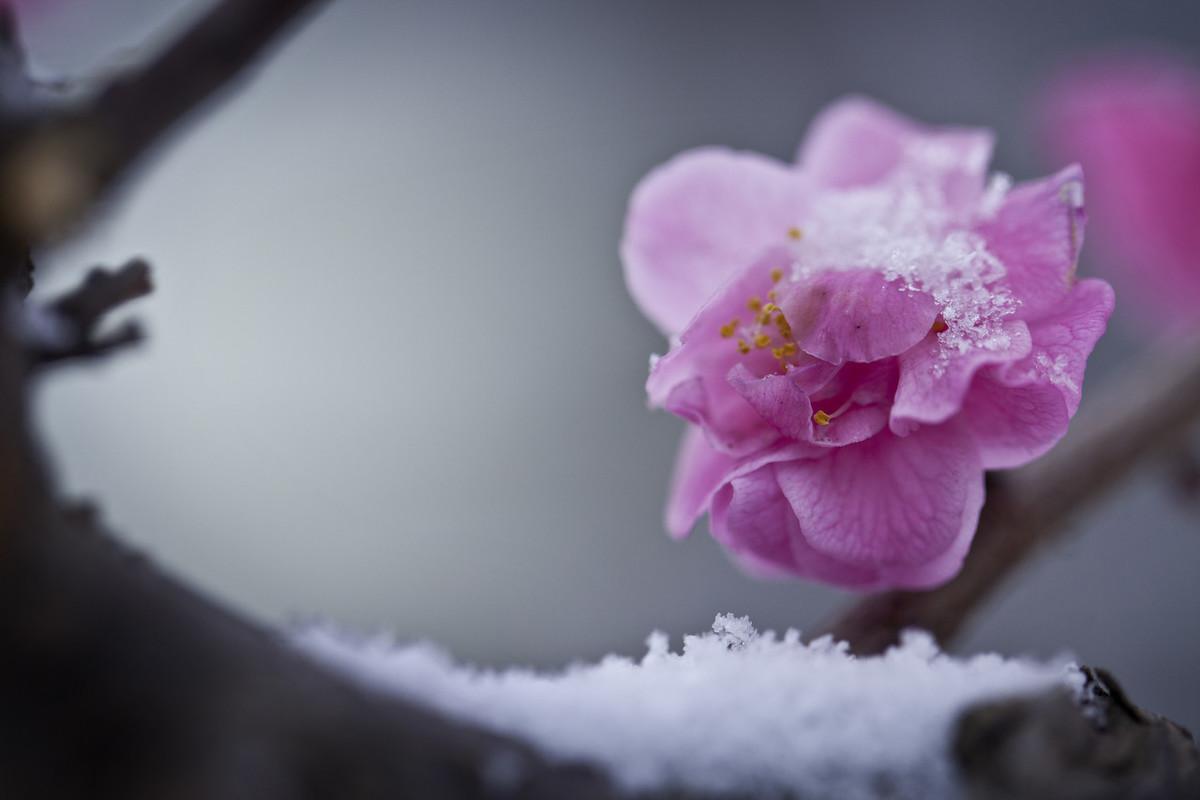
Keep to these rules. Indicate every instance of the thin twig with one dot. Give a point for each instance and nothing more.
(72, 321)
(57, 166)
(1141, 416)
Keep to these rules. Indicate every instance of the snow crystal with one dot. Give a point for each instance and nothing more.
(1056, 370)
(735, 710)
(998, 188)
(910, 228)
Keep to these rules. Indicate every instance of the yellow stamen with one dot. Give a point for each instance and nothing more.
(795, 234)
(939, 325)
(784, 328)
(761, 341)
(754, 304)
(821, 418)
(728, 329)
(776, 275)
(743, 348)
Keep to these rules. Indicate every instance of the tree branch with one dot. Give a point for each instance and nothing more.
(67, 327)
(56, 167)
(1141, 417)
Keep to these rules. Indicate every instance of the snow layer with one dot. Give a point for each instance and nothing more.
(735, 710)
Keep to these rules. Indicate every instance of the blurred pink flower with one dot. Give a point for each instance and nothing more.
(856, 338)
(1134, 122)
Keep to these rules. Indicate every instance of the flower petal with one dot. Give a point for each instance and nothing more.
(1015, 417)
(1037, 233)
(1133, 119)
(778, 399)
(893, 504)
(696, 220)
(1063, 340)
(690, 381)
(1020, 410)
(699, 471)
(858, 142)
(934, 380)
(856, 315)
(752, 519)
(783, 399)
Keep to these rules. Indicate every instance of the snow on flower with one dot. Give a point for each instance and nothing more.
(856, 337)
(1133, 120)
(736, 711)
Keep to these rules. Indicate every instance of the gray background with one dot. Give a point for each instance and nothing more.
(395, 379)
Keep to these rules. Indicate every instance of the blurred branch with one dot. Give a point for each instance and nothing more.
(1141, 417)
(67, 327)
(57, 165)
(1043, 747)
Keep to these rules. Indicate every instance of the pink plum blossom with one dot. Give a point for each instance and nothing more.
(856, 337)
(1133, 120)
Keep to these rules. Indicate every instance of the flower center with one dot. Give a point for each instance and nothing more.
(767, 328)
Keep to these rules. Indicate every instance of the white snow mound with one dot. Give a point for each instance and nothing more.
(735, 710)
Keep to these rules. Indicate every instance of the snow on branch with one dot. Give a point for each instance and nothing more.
(734, 712)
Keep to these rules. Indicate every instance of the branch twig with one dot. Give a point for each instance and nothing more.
(75, 317)
(1030, 507)
(56, 167)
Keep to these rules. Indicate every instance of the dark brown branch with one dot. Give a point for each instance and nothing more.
(56, 167)
(118, 682)
(76, 316)
(1043, 747)
(1139, 419)
(136, 109)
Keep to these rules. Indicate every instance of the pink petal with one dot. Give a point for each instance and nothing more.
(1019, 411)
(1037, 233)
(857, 399)
(753, 520)
(893, 504)
(778, 399)
(1133, 120)
(699, 218)
(856, 315)
(690, 381)
(731, 424)
(1063, 340)
(699, 471)
(858, 142)
(934, 380)
(1015, 417)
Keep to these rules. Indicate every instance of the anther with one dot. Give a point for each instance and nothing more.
(754, 304)
(776, 275)
(784, 327)
(939, 325)
(728, 329)
(821, 418)
(795, 234)
(761, 341)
